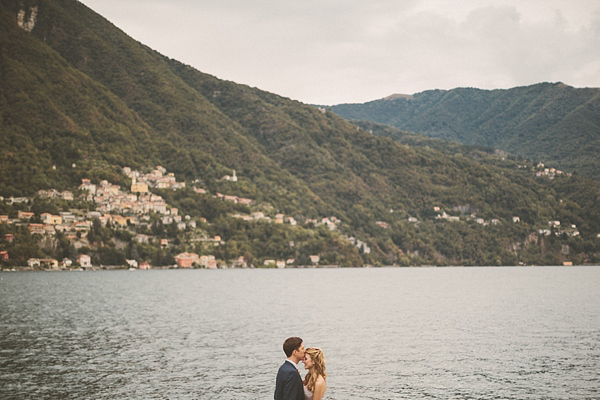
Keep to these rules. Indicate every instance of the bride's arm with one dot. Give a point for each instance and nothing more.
(319, 389)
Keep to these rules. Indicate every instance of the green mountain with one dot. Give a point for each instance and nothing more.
(81, 99)
(548, 122)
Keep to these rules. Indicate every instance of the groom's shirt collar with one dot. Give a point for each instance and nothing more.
(293, 363)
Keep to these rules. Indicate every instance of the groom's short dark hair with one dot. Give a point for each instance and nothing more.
(291, 344)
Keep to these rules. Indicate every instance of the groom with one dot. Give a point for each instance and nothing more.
(288, 385)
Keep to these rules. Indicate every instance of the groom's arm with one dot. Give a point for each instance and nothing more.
(290, 386)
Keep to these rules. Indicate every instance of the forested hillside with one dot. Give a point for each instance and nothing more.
(548, 122)
(81, 100)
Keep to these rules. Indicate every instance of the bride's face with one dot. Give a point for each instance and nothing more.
(307, 361)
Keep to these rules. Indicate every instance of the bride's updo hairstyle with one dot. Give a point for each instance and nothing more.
(318, 368)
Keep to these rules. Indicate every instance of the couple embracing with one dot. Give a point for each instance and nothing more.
(289, 385)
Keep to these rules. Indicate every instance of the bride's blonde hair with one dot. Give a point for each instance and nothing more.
(318, 368)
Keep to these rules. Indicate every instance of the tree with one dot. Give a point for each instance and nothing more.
(133, 252)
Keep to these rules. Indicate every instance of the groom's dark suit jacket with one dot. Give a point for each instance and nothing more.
(288, 385)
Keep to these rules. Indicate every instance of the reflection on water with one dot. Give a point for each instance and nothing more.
(450, 333)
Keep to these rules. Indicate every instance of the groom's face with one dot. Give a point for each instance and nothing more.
(300, 351)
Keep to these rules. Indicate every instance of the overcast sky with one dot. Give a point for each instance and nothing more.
(352, 51)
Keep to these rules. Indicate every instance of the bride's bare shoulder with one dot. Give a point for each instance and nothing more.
(320, 388)
(320, 381)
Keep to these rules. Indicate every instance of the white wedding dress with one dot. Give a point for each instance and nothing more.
(308, 395)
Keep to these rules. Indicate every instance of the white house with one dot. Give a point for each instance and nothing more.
(33, 262)
(66, 195)
(231, 178)
(84, 260)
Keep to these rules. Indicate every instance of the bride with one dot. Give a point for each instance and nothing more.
(314, 381)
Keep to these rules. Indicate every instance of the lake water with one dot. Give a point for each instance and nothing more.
(389, 333)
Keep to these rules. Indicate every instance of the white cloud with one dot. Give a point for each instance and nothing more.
(332, 51)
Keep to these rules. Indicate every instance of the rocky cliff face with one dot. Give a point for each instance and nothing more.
(26, 18)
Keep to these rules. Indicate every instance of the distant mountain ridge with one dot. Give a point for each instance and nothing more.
(549, 122)
(399, 96)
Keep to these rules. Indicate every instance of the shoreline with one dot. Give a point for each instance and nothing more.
(126, 268)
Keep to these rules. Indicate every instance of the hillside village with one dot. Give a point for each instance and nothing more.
(134, 209)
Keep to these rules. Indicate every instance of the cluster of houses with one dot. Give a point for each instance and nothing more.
(158, 178)
(110, 198)
(182, 222)
(183, 260)
(14, 200)
(472, 217)
(358, 243)
(549, 173)
(83, 260)
(111, 202)
(191, 260)
(329, 222)
(133, 264)
(68, 222)
(73, 224)
(572, 231)
(314, 259)
(233, 199)
(260, 216)
(65, 221)
(55, 194)
(555, 226)
(281, 263)
(446, 217)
